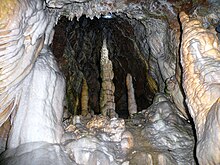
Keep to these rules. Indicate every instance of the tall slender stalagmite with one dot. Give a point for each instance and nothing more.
(107, 99)
(132, 106)
(84, 98)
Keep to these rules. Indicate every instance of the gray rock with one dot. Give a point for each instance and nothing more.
(36, 153)
(167, 131)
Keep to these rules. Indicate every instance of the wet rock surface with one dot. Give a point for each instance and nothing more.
(81, 59)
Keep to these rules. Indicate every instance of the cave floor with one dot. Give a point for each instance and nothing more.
(143, 143)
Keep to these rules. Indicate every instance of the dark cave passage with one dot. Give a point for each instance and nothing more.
(77, 46)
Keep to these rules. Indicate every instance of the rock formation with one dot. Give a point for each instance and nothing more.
(32, 88)
(169, 131)
(132, 106)
(174, 91)
(144, 39)
(4, 131)
(200, 56)
(107, 98)
(84, 98)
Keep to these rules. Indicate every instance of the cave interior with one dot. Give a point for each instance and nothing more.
(76, 46)
(128, 82)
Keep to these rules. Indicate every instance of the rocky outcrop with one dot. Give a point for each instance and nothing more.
(200, 56)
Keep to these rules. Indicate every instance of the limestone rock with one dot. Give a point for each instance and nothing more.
(167, 130)
(107, 98)
(4, 131)
(141, 158)
(84, 98)
(20, 43)
(114, 128)
(39, 114)
(173, 89)
(90, 150)
(200, 56)
(36, 153)
(132, 106)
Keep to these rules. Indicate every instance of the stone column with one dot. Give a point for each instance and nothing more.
(132, 106)
(107, 98)
(84, 98)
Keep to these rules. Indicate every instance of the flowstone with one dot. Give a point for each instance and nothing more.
(167, 131)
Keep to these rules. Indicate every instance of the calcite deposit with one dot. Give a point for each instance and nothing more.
(169, 131)
(32, 88)
(200, 55)
(84, 98)
(126, 82)
(107, 99)
(132, 106)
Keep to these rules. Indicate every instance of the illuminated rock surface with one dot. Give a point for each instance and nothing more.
(200, 59)
(39, 117)
(172, 57)
(167, 130)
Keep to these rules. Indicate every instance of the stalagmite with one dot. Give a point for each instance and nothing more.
(132, 106)
(84, 98)
(200, 56)
(107, 99)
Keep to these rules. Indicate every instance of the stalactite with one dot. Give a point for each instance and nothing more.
(107, 99)
(84, 98)
(132, 106)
